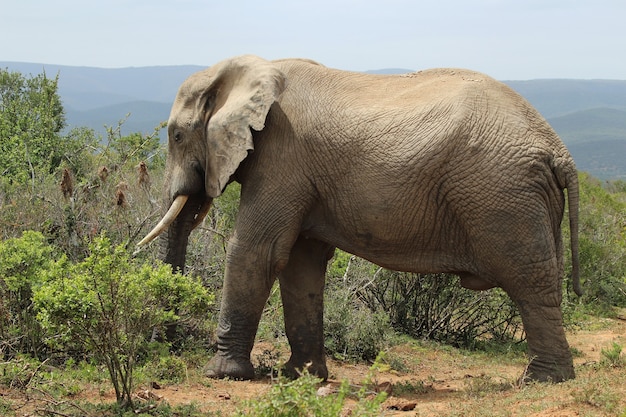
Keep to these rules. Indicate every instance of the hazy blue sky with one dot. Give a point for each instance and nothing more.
(508, 39)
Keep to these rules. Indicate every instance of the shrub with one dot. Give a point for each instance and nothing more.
(602, 248)
(110, 305)
(23, 261)
(31, 119)
(168, 369)
(433, 306)
(352, 330)
(300, 398)
(612, 357)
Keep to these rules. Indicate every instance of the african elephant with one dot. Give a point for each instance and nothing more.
(444, 170)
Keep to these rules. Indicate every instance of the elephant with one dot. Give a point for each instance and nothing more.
(441, 170)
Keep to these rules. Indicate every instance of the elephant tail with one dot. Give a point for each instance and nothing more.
(567, 176)
(572, 203)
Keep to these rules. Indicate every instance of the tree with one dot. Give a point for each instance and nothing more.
(31, 121)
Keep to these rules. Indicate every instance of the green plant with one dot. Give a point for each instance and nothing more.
(168, 369)
(31, 119)
(432, 306)
(20, 372)
(598, 394)
(411, 387)
(23, 261)
(352, 330)
(110, 304)
(300, 398)
(294, 398)
(6, 408)
(613, 357)
(478, 387)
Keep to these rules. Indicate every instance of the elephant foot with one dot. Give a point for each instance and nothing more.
(293, 369)
(221, 366)
(548, 372)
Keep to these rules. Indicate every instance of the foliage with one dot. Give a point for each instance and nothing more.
(20, 372)
(301, 398)
(602, 245)
(168, 369)
(31, 119)
(73, 207)
(22, 264)
(597, 393)
(110, 304)
(613, 356)
(432, 306)
(133, 148)
(353, 331)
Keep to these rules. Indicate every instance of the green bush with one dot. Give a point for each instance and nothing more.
(613, 357)
(352, 330)
(110, 305)
(602, 246)
(432, 306)
(168, 369)
(31, 119)
(300, 398)
(23, 262)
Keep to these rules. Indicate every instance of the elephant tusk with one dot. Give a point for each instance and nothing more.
(165, 222)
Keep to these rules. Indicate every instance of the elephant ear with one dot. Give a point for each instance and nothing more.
(247, 88)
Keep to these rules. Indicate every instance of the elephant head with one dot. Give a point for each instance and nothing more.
(208, 137)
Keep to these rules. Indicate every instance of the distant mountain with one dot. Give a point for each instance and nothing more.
(555, 98)
(597, 140)
(589, 115)
(600, 123)
(86, 88)
(95, 97)
(143, 116)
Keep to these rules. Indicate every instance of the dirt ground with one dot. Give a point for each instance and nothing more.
(449, 382)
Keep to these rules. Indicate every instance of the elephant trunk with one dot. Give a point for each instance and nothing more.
(174, 239)
(173, 244)
(184, 215)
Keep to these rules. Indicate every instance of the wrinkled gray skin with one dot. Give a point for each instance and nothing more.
(442, 170)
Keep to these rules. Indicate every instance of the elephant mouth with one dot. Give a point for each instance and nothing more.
(172, 213)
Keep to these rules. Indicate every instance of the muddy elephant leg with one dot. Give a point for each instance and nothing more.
(302, 291)
(548, 350)
(247, 284)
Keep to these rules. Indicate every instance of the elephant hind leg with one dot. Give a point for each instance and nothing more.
(302, 291)
(538, 296)
(548, 350)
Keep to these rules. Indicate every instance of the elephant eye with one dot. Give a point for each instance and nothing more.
(178, 136)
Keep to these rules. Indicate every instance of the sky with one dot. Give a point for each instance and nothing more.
(507, 39)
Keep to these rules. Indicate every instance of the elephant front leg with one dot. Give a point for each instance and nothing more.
(247, 284)
(302, 291)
